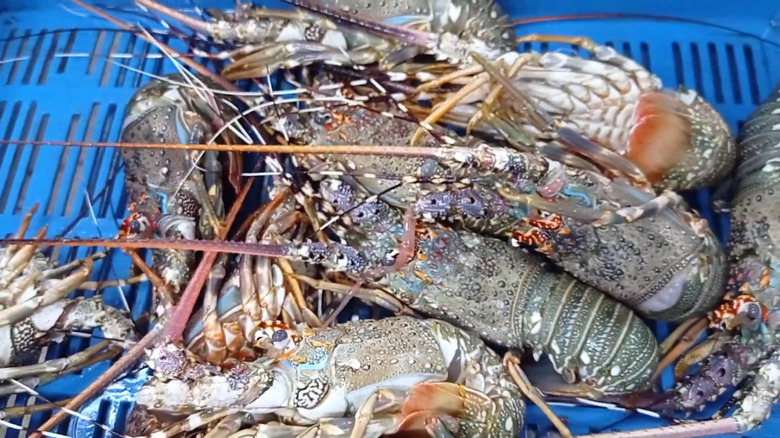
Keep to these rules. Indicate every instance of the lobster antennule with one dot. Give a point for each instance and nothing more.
(416, 37)
(661, 135)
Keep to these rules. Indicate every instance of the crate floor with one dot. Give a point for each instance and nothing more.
(66, 76)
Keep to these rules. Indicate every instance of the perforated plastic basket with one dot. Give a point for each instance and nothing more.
(56, 83)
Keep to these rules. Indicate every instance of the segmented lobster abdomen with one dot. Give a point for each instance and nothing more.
(755, 231)
(513, 299)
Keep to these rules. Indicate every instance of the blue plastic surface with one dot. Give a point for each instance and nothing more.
(733, 60)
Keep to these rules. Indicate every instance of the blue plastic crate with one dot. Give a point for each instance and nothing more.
(728, 52)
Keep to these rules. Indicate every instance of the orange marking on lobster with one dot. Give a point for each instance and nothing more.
(555, 222)
(764, 282)
(423, 276)
(729, 309)
(532, 237)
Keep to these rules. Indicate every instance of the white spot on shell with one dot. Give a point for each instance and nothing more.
(585, 357)
(335, 39)
(614, 371)
(44, 319)
(291, 32)
(555, 348)
(454, 12)
(5, 344)
(194, 421)
(687, 97)
(277, 277)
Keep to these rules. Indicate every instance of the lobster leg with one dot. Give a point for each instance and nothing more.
(490, 100)
(58, 366)
(539, 118)
(375, 296)
(512, 364)
(54, 294)
(339, 427)
(15, 260)
(365, 413)
(701, 352)
(687, 334)
(450, 77)
(343, 304)
(12, 249)
(681, 332)
(193, 422)
(666, 200)
(226, 426)
(39, 374)
(442, 108)
(214, 337)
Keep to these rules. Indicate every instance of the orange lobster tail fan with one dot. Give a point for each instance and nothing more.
(425, 400)
(661, 135)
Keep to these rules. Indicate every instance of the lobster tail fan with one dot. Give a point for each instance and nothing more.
(443, 401)
(661, 135)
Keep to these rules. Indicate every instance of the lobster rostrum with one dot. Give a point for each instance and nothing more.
(34, 310)
(364, 378)
(168, 195)
(650, 253)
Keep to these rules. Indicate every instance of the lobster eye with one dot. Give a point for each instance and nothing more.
(279, 336)
(753, 312)
(322, 118)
